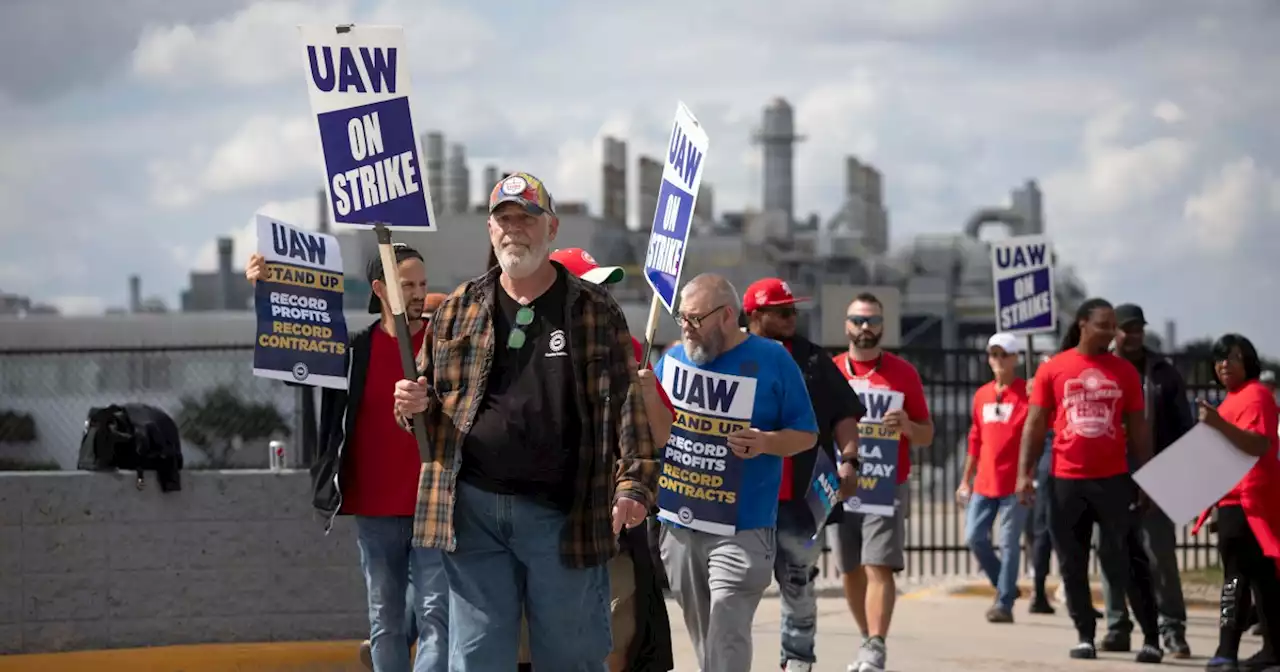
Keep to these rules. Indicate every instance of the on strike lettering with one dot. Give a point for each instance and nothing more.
(371, 185)
(297, 244)
(683, 156)
(696, 389)
(379, 69)
(664, 254)
(1016, 257)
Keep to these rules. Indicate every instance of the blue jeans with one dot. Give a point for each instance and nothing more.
(508, 560)
(1042, 540)
(394, 573)
(1001, 571)
(795, 567)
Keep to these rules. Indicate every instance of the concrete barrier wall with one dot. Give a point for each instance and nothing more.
(87, 561)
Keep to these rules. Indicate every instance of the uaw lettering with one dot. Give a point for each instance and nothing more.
(824, 490)
(302, 334)
(701, 477)
(878, 472)
(1023, 270)
(359, 90)
(681, 177)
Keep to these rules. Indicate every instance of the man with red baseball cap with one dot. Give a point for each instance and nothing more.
(770, 308)
(640, 625)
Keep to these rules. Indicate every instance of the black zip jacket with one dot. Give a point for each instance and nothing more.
(338, 422)
(833, 400)
(1168, 410)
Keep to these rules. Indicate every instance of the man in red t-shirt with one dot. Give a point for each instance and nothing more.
(367, 467)
(1096, 400)
(990, 476)
(871, 545)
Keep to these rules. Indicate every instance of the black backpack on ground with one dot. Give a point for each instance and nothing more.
(133, 437)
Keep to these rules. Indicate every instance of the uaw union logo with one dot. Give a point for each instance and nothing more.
(300, 371)
(855, 501)
(685, 515)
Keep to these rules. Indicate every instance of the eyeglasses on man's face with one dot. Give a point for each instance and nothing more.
(695, 321)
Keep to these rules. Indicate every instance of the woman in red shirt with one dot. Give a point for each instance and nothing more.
(1249, 515)
(1096, 401)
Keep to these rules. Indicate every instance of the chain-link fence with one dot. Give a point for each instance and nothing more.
(225, 414)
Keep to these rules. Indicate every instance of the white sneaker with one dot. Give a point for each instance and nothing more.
(798, 666)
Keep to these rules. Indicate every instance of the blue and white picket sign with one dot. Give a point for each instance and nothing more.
(358, 82)
(302, 332)
(1022, 267)
(685, 161)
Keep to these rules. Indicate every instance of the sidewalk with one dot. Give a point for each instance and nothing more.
(933, 631)
(937, 633)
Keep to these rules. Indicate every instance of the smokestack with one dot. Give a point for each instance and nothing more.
(135, 294)
(613, 191)
(459, 186)
(490, 179)
(322, 204)
(435, 167)
(1170, 336)
(225, 287)
(649, 183)
(778, 136)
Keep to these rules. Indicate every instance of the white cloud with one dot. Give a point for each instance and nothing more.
(1235, 202)
(264, 151)
(1168, 112)
(301, 212)
(79, 305)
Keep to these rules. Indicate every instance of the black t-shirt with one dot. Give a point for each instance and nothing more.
(524, 440)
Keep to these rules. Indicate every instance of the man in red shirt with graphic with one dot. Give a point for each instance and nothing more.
(1096, 400)
(999, 412)
(871, 546)
(367, 467)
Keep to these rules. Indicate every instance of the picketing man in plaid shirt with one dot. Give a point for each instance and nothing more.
(541, 447)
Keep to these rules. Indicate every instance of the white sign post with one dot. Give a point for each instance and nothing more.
(669, 238)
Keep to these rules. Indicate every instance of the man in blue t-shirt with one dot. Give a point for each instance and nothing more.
(726, 563)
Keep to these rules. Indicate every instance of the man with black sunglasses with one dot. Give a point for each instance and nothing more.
(871, 545)
(541, 444)
(770, 308)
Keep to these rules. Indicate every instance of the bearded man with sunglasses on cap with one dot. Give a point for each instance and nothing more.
(770, 308)
(871, 546)
(541, 445)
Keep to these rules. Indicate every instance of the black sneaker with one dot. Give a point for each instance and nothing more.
(1084, 651)
(1176, 645)
(1116, 642)
(1149, 653)
(1221, 665)
(998, 614)
(1041, 606)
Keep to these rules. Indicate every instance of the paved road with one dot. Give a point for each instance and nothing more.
(934, 633)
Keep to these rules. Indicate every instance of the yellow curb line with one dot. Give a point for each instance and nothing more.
(264, 657)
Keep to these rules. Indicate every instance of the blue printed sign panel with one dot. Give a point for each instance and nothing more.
(824, 490)
(701, 477)
(1022, 267)
(358, 82)
(681, 176)
(302, 332)
(877, 471)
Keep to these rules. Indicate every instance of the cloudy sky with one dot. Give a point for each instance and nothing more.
(139, 130)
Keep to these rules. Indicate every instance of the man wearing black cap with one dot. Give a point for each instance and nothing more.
(367, 467)
(1153, 542)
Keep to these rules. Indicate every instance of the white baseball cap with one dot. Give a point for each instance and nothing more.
(1004, 341)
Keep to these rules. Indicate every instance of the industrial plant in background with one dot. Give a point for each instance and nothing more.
(937, 288)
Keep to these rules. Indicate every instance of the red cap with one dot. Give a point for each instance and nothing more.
(768, 292)
(578, 262)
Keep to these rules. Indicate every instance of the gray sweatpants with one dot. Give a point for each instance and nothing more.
(718, 582)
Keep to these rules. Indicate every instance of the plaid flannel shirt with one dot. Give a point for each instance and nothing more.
(616, 457)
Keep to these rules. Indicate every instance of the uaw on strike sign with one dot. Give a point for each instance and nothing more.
(1022, 267)
(358, 81)
(302, 333)
(681, 177)
(701, 477)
